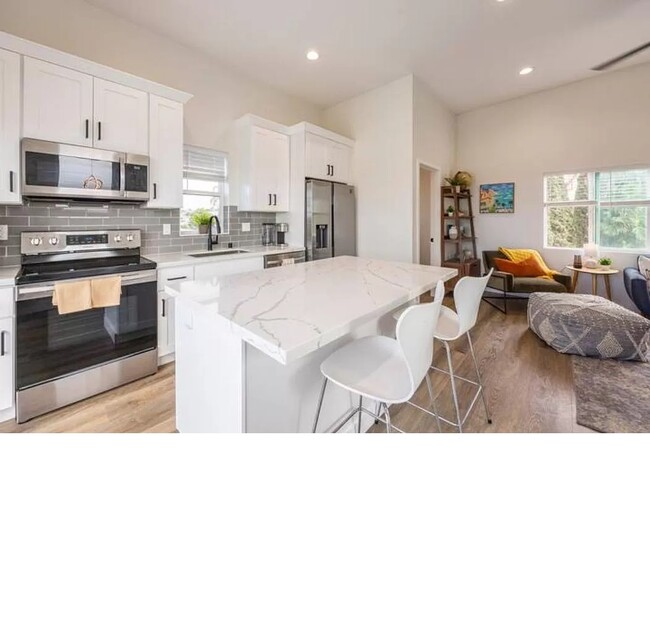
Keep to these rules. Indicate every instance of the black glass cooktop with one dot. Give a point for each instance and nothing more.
(74, 269)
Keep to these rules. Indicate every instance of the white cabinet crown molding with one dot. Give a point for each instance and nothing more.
(308, 127)
(48, 54)
(251, 120)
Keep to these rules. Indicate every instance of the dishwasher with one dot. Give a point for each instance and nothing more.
(284, 259)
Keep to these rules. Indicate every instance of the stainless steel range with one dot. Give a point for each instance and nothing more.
(63, 358)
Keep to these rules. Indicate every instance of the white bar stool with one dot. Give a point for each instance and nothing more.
(451, 326)
(385, 370)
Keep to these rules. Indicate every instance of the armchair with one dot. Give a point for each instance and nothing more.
(637, 288)
(512, 287)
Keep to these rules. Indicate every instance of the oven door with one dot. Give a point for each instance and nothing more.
(50, 346)
(64, 171)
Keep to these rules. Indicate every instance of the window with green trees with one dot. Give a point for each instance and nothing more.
(610, 208)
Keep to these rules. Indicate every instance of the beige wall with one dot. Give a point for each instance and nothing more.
(220, 96)
(598, 123)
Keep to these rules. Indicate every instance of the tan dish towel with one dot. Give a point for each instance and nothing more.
(106, 291)
(72, 296)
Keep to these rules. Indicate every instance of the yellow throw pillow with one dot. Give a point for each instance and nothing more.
(519, 255)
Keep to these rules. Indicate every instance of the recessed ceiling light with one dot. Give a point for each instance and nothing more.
(312, 54)
(526, 71)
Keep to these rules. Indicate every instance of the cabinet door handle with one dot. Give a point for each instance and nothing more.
(270, 200)
(3, 349)
(11, 182)
(275, 199)
(163, 307)
(155, 190)
(99, 130)
(87, 128)
(328, 170)
(177, 278)
(332, 170)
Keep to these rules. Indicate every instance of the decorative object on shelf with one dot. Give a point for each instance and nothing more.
(460, 181)
(201, 219)
(498, 198)
(457, 227)
(590, 251)
(577, 261)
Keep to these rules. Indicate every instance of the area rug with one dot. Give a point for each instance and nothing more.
(612, 396)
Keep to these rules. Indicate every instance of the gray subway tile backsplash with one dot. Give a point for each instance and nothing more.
(149, 221)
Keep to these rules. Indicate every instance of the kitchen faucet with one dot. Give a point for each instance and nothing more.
(210, 240)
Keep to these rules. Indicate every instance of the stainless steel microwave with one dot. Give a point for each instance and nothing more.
(63, 171)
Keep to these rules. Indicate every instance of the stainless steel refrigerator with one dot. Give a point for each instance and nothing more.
(330, 220)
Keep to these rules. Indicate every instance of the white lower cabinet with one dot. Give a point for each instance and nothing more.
(7, 354)
(198, 272)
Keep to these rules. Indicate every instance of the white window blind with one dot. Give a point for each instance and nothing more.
(608, 207)
(205, 187)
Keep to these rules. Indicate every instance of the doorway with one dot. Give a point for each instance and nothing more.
(427, 215)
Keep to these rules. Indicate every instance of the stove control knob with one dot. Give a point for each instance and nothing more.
(36, 241)
(117, 238)
(129, 238)
(54, 240)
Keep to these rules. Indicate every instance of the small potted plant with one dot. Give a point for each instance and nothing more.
(201, 219)
(460, 181)
(450, 211)
(605, 263)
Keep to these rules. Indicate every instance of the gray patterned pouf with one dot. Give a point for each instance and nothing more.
(588, 325)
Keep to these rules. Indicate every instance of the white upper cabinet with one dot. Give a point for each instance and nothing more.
(9, 128)
(165, 153)
(121, 116)
(327, 159)
(57, 103)
(261, 172)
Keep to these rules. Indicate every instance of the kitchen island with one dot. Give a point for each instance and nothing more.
(249, 346)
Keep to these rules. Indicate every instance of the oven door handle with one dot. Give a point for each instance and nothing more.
(30, 292)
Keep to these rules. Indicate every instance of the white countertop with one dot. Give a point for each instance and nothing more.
(169, 260)
(291, 311)
(8, 275)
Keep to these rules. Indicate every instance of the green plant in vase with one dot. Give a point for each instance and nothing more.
(605, 262)
(201, 219)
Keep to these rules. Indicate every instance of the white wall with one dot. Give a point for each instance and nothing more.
(394, 126)
(600, 122)
(434, 144)
(381, 123)
(220, 96)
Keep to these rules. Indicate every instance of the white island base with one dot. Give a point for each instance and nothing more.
(249, 347)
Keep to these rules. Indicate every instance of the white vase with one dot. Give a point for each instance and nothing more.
(453, 232)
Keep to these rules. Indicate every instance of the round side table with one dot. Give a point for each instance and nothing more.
(606, 273)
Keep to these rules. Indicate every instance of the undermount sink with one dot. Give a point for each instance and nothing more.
(204, 254)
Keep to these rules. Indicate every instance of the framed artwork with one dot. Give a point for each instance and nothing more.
(498, 198)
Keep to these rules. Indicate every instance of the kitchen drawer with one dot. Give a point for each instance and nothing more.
(6, 302)
(179, 273)
(206, 272)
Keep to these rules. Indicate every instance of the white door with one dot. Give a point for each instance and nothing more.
(165, 324)
(121, 118)
(165, 153)
(280, 148)
(318, 164)
(339, 156)
(57, 103)
(6, 363)
(9, 128)
(269, 169)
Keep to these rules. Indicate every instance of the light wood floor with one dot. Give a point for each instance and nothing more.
(529, 388)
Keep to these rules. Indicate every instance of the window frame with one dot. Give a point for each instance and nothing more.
(593, 205)
(222, 194)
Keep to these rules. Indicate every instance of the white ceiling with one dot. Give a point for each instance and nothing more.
(469, 52)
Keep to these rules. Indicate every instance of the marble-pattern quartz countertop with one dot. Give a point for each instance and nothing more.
(291, 311)
(8, 275)
(169, 260)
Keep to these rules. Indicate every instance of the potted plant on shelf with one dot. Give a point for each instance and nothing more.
(201, 219)
(460, 181)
